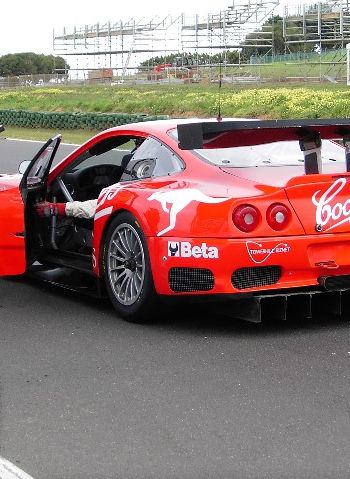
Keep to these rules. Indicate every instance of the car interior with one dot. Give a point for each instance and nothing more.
(68, 240)
(97, 168)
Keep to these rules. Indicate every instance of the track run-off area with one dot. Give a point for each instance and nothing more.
(191, 395)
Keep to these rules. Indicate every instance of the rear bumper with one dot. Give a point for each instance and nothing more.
(232, 266)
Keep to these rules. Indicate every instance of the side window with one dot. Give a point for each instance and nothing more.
(109, 151)
(150, 160)
(99, 166)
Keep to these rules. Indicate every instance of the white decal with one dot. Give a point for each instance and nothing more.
(339, 212)
(178, 200)
(184, 249)
(103, 212)
(94, 260)
(108, 193)
(259, 254)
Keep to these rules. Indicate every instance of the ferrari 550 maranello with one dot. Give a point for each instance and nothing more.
(252, 214)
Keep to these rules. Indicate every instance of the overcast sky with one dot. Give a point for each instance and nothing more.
(28, 26)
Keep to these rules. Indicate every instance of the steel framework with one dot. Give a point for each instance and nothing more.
(322, 23)
(123, 45)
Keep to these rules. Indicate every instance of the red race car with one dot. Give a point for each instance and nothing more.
(252, 214)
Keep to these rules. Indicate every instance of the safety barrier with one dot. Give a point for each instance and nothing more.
(71, 121)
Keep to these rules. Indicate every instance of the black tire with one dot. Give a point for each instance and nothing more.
(127, 271)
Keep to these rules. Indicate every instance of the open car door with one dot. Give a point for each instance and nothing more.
(14, 218)
(37, 172)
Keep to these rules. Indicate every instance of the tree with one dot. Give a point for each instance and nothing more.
(323, 7)
(186, 59)
(29, 63)
(271, 30)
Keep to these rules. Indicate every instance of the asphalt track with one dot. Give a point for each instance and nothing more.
(13, 152)
(85, 395)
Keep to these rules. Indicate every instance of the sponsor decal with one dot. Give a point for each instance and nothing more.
(260, 253)
(330, 214)
(184, 249)
(174, 201)
(108, 193)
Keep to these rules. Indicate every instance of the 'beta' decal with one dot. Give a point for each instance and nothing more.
(184, 249)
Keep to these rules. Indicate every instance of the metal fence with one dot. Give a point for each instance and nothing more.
(286, 57)
(33, 80)
(312, 69)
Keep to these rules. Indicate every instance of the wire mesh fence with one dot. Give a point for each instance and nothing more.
(331, 67)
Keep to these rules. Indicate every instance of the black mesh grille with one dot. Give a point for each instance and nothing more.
(190, 279)
(253, 277)
(334, 283)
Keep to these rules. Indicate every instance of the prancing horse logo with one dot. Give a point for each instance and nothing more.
(178, 200)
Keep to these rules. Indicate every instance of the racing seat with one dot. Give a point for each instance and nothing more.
(82, 237)
(116, 175)
(125, 160)
(118, 171)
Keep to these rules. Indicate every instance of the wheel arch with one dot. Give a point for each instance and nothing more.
(126, 265)
(99, 241)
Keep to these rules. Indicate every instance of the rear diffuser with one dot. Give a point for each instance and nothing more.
(298, 305)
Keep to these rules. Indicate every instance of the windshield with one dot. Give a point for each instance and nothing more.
(279, 153)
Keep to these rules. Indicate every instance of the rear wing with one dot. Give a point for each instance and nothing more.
(229, 134)
(2, 128)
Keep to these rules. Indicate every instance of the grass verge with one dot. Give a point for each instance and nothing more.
(265, 101)
(42, 134)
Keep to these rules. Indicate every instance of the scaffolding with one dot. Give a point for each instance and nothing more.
(324, 28)
(123, 45)
(324, 24)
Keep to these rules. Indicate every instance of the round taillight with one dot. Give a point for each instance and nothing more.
(278, 216)
(246, 218)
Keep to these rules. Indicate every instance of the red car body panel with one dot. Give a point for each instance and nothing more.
(187, 218)
(12, 236)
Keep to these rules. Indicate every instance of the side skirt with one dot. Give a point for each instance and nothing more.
(72, 279)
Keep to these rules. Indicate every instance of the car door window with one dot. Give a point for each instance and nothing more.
(37, 172)
(150, 160)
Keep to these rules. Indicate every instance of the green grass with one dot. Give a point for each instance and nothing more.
(41, 134)
(273, 97)
(177, 101)
(265, 100)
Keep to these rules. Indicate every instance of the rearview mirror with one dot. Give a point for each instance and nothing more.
(23, 166)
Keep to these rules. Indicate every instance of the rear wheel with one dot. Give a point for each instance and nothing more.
(127, 269)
